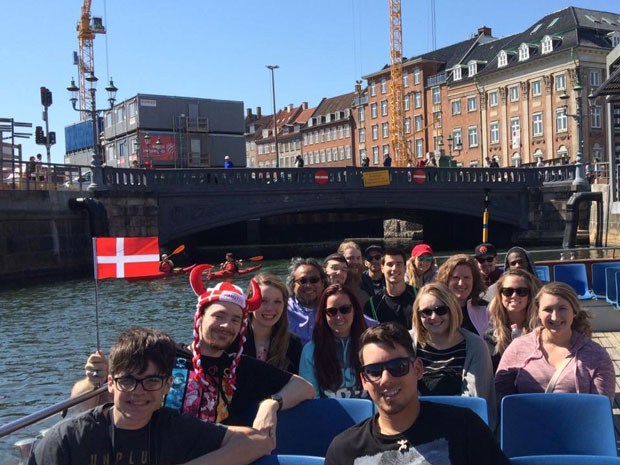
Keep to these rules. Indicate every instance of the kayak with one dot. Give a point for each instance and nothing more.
(163, 274)
(229, 274)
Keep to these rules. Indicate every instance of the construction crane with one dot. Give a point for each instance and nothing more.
(86, 59)
(397, 90)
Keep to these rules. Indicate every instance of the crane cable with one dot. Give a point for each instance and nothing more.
(105, 19)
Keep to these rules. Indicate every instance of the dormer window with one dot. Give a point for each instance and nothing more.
(614, 37)
(502, 59)
(457, 74)
(547, 45)
(265, 133)
(524, 52)
(472, 68)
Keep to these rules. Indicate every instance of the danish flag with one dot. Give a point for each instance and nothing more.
(125, 257)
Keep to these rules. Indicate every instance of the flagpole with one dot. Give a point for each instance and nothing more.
(96, 292)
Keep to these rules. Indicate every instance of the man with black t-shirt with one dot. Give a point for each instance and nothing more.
(135, 429)
(395, 303)
(373, 281)
(407, 431)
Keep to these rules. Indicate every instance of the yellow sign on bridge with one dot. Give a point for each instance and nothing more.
(376, 178)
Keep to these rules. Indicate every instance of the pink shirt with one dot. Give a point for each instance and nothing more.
(523, 368)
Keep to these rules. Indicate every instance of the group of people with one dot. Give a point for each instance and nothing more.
(379, 324)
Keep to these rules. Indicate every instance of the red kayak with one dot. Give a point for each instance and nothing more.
(229, 274)
(163, 274)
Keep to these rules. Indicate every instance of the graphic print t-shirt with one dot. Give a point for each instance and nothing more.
(441, 435)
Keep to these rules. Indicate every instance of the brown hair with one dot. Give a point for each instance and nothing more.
(280, 335)
(348, 245)
(447, 297)
(581, 319)
(390, 334)
(412, 275)
(136, 347)
(448, 267)
(499, 314)
(328, 370)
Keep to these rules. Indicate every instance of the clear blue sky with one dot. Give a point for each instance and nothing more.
(219, 49)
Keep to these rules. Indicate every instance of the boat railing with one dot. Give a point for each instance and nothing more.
(563, 254)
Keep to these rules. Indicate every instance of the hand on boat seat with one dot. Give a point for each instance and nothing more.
(97, 368)
(266, 419)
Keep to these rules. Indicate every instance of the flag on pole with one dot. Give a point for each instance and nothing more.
(125, 257)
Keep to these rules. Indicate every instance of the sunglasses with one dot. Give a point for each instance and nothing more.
(521, 291)
(428, 258)
(486, 259)
(397, 367)
(344, 309)
(439, 310)
(311, 280)
(371, 258)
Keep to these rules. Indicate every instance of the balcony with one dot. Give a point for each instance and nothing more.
(436, 80)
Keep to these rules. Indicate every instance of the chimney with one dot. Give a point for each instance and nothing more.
(484, 31)
(289, 107)
(248, 113)
(258, 112)
(358, 87)
(304, 106)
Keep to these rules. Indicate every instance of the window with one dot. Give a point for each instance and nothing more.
(108, 119)
(347, 152)
(340, 132)
(457, 138)
(560, 82)
(493, 99)
(419, 147)
(407, 125)
(384, 107)
(121, 149)
(537, 124)
(547, 45)
(595, 78)
(132, 109)
(328, 135)
(316, 137)
(418, 122)
(362, 155)
(373, 110)
(373, 88)
(595, 116)
(515, 128)
(502, 59)
(305, 139)
(456, 107)
(561, 120)
(384, 130)
(334, 133)
(472, 68)
(375, 132)
(347, 130)
(260, 149)
(494, 132)
(361, 114)
(537, 88)
(437, 119)
(322, 135)
(416, 76)
(375, 155)
(329, 154)
(322, 156)
(524, 52)
(362, 135)
(472, 134)
(436, 95)
(406, 102)
(120, 114)
(472, 103)
(457, 74)
(514, 93)
(383, 85)
(405, 78)
(417, 99)
(305, 158)
(615, 40)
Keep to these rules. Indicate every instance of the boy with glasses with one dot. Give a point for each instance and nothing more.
(406, 430)
(373, 281)
(135, 429)
(486, 256)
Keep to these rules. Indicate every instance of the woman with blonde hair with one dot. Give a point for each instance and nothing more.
(512, 310)
(462, 276)
(456, 361)
(268, 336)
(559, 354)
(422, 266)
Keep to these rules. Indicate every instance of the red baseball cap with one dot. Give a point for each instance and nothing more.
(421, 249)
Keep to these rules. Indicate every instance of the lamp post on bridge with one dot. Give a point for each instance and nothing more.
(96, 183)
(580, 181)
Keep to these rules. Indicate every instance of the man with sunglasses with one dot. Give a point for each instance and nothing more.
(135, 429)
(406, 430)
(486, 256)
(373, 281)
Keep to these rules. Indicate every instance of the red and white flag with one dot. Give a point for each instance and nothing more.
(125, 257)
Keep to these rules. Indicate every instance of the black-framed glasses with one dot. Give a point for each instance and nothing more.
(439, 310)
(508, 291)
(344, 309)
(311, 280)
(375, 258)
(486, 259)
(428, 258)
(150, 383)
(397, 367)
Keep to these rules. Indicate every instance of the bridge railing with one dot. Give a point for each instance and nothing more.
(168, 180)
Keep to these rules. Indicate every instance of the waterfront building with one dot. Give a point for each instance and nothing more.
(254, 124)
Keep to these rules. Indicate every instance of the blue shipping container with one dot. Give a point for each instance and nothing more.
(79, 136)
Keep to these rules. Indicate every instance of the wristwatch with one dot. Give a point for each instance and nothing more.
(278, 399)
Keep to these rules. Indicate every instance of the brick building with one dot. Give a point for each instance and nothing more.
(254, 124)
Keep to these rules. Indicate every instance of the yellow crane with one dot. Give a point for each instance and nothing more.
(397, 90)
(86, 59)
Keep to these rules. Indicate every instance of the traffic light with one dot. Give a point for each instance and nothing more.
(46, 97)
(39, 136)
(52, 137)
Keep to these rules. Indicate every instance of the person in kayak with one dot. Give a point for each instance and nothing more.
(231, 264)
(135, 427)
(165, 264)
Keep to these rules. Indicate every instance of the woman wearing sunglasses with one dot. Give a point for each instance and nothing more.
(559, 355)
(421, 267)
(511, 309)
(462, 276)
(330, 360)
(456, 361)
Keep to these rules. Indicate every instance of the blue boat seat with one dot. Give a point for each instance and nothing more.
(562, 423)
(599, 282)
(573, 274)
(610, 284)
(289, 460)
(542, 271)
(565, 460)
(477, 404)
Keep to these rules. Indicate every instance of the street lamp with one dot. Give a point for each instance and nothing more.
(580, 181)
(275, 123)
(96, 183)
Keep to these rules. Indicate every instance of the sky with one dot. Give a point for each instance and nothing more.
(219, 49)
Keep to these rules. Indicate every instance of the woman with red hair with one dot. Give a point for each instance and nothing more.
(330, 360)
